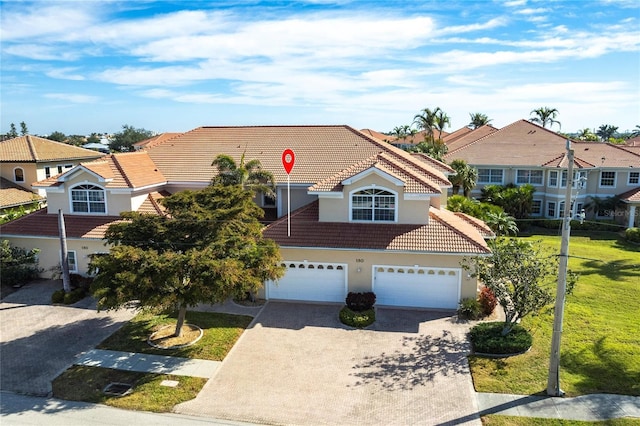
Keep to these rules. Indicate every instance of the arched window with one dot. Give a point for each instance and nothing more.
(88, 199)
(18, 174)
(374, 205)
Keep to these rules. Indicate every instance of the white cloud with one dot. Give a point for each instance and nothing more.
(66, 73)
(73, 98)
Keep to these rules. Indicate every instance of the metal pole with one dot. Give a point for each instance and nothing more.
(288, 205)
(553, 382)
(66, 279)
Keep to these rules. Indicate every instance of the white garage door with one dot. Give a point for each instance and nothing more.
(311, 281)
(417, 286)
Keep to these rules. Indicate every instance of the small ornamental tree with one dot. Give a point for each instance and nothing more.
(209, 247)
(520, 274)
(18, 265)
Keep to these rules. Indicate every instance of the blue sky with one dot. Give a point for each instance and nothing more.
(91, 66)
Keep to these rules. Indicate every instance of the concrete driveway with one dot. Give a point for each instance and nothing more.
(299, 365)
(39, 341)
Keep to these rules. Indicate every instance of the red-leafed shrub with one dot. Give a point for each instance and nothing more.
(487, 300)
(359, 302)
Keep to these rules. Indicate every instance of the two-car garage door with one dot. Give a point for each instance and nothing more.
(417, 286)
(311, 281)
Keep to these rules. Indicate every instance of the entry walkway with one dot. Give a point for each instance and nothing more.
(159, 364)
(592, 407)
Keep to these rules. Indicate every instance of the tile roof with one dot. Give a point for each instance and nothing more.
(34, 149)
(156, 139)
(41, 224)
(380, 136)
(439, 165)
(478, 224)
(445, 233)
(462, 137)
(125, 170)
(320, 151)
(631, 196)
(526, 144)
(13, 195)
(151, 204)
(418, 177)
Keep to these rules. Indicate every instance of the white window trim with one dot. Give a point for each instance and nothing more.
(577, 175)
(555, 210)
(488, 182)
(529, 177)
(541, 208)
(106, 204)
(381, 188)
(14, 175)
(75, 260)
(615, 179)
(629, 178)
(558, 178)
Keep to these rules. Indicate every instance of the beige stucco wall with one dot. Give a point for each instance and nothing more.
(49, 256)
(409, 211)
(360, 264)
(29, 169)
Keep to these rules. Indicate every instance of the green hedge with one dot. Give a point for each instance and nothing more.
(487, 338)
(601, 225)
(632, 234)
(357, 319)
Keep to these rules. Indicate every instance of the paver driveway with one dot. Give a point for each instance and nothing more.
(38, 341)
(299, 365)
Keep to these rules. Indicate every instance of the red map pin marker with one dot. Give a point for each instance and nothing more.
(288, 158)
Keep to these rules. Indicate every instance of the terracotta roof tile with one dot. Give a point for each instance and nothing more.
(478, 224)
(156, 139)
(631, 196)
(443, 234)
(33, 149)
(438, 165)
(13, 195)
(151, 204)
(463, 137)
(526, 144)
(42, 224)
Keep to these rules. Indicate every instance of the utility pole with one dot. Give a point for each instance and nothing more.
(66, 279)
(553, 382)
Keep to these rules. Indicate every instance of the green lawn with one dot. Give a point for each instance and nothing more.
(601, 338)
(497, 420)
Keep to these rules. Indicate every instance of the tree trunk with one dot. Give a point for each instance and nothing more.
(182, 313)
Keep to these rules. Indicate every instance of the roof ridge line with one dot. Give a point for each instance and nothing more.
(398, 164)
(454, 229)
(32, 148)
(423, 167)
(121, 170)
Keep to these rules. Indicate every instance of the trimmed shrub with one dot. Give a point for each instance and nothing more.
(632, 234)
(469, 309)
(487, 338)
(75, 295)
(488, 301)
(359, 302)
(57, 296)
(357, 319)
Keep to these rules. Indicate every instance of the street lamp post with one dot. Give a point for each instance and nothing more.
(553, 382)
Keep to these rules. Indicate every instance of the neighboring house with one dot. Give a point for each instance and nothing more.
(154, 140)
(13, 195)
(28, 159)
(524, 152)
(365, 215)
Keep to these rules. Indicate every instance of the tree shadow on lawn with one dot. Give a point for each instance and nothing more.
(613, 270)
(605, 374)
(426, 358)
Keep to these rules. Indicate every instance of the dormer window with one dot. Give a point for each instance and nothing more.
(88, 199)
(373, 205)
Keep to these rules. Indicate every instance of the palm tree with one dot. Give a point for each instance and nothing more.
(466, 177)
(586, 135)
(544, 116)
(501, 223)
(434, 149)
(442, 120)
(249, 175)
(635, 132)
(478, 120)
(606, 131)
(402, 132)
(426, 121)
(469, 180)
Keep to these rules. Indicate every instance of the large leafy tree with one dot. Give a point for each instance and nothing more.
(478, 120)
(519, 273)
(57, 136)
(123, 141)
(426, 120)
(517, 201)
(545, 116)
(606, 131)
(433, 148)
(208, 247)
(248, 174)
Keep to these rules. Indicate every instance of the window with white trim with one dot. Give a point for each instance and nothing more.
(374, 205)
(490, 175)
(18, 174)
(88, 199)
(579, 178)
(634, 178)
(536, 208)
(47, 172)
(551, 209)
(553, 179)
(607, 179)
(72, 261)
(533, 177)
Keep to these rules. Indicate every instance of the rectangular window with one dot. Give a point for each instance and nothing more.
(579, 208)
(268, 201)
(634, 178)
(579, 179)
(536, 208)
(608, 179)
(551, 209)
(47, 172)
(553, 178)
(490, 175)
(72, 261)
(534, 177)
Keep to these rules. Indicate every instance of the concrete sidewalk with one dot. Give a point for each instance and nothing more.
(592, 407)
(159, 364)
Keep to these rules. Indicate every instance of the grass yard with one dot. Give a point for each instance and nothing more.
(497, 420)
(80, 383)
(220, 334)
(600, 350)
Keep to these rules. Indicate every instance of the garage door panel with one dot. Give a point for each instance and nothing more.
(417, 286)
(310, 281)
